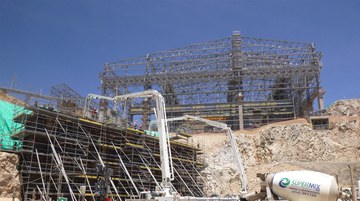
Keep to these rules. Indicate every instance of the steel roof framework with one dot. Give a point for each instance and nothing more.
(262, 70)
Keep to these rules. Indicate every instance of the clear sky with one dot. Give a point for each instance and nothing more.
(47, 42)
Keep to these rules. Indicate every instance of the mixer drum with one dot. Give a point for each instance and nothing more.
(303, 185)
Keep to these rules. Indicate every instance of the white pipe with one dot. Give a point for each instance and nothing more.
(358, 188)
(41, 175)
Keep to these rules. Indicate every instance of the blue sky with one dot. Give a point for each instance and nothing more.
(44, 43)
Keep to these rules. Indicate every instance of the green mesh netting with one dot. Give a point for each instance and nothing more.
(152, 133)
(8, 126)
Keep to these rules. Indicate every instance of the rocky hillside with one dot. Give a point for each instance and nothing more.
(350, 107)
(291, 145)
(9, 176)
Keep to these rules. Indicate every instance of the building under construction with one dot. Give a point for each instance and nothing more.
(65, 155)
(242, 81)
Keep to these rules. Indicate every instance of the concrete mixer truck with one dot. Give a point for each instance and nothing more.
(296, 186)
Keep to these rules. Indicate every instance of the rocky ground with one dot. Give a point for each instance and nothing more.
(9, 176)
(284, 146)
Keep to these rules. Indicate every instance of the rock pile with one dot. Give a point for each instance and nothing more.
(349, 107)
(9, 176)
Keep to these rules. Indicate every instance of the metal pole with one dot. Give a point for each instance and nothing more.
(60, 165)
(41, 175)
(241, 116)
(125, 169)
(353, 187)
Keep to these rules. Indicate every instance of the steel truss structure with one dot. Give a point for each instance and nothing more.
(71, 100)
(270, 80)
(64, 92)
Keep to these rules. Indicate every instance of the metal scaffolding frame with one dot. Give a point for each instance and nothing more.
(63, 91)
(69, 151)
(278, 80)
(71, 100)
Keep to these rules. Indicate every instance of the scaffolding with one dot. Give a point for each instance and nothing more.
(130, 157)
(71, 101)
(242, 81)
(65, 92)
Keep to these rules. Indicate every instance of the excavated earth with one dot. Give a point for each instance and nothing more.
(9, 176)
(285, 146)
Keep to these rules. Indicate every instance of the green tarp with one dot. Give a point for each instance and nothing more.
(152, 133)
(8, 126)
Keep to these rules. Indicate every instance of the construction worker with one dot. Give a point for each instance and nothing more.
(135, 124)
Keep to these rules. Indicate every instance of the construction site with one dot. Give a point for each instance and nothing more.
(241, 81)
(201, 122)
